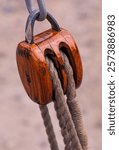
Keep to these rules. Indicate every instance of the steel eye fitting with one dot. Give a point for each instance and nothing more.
(34, 15)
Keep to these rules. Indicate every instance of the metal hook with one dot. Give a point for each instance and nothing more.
(42, 9)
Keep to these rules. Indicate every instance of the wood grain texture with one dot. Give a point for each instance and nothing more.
(33, 69)
(50, 48)
(34, 73)
(71, 49)
(64, 41)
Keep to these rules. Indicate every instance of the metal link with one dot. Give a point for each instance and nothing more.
(42, 9)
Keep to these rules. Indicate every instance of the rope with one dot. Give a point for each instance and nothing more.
(73, 104)
(49, 127)
(62, 110)
(68, 112)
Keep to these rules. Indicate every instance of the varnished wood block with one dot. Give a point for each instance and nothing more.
(34, 73)
(63, 41)
(33, 69)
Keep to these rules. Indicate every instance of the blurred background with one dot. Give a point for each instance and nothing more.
(21, 125)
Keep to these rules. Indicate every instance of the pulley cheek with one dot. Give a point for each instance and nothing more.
(31, 59)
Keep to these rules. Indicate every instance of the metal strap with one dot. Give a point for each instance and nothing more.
(31, 21)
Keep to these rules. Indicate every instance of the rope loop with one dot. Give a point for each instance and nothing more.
(42, 9)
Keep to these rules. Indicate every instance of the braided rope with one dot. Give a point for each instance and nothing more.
(49, 127)
(73, 104)
(62, 110)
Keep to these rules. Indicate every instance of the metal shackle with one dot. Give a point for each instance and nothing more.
(31, 21)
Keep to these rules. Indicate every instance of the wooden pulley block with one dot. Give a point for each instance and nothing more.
(62, 41)
(31, 59)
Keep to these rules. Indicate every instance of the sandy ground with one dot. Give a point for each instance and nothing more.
(21, 126)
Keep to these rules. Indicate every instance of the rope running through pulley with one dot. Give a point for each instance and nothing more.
(50, 68)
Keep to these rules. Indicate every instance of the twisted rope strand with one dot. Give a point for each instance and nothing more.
(63, 126)
(69, 132)
(73, 104)
(62, 123)
(49, 127)
(62, 109)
